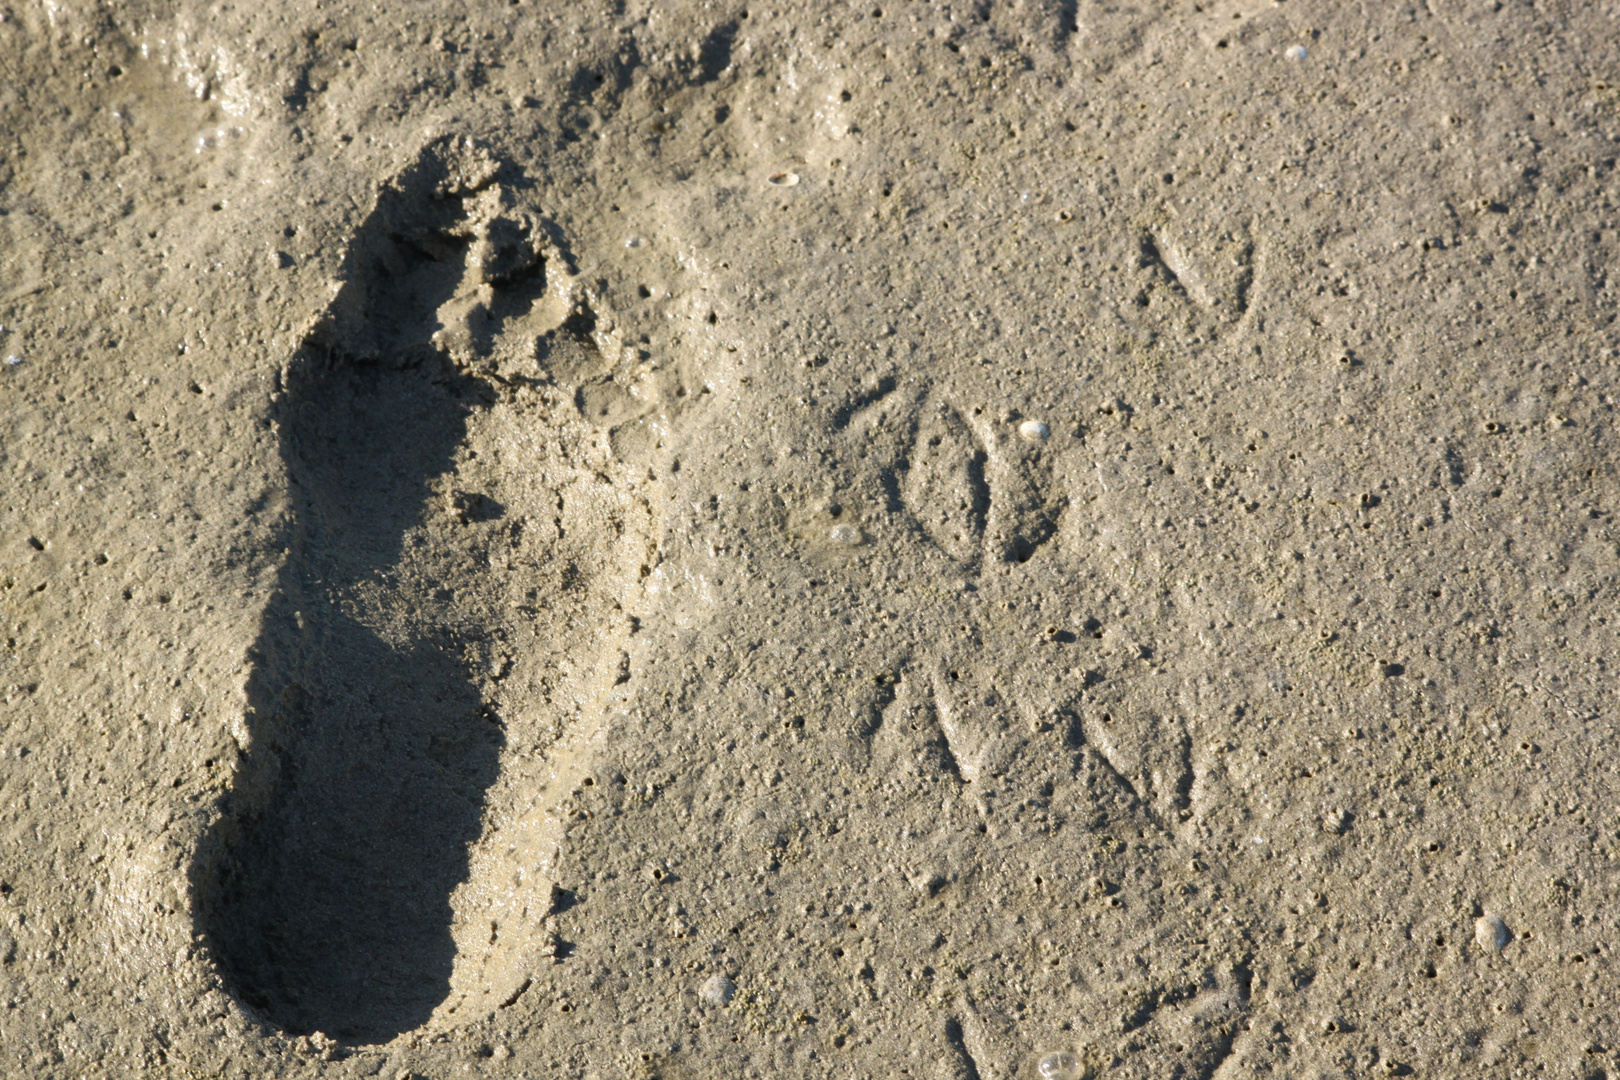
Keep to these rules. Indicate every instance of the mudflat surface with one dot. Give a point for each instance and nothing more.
(974, 541)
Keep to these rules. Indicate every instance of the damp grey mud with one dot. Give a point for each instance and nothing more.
(990, 540)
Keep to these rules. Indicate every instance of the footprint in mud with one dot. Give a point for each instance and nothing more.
(444, 495)
(977, 490)
(1031, 729)
(371, 750)
(1035, 776)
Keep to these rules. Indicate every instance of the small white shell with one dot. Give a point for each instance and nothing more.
(1491, 934)
(783, 179)
(717, 990)
(1034, 431)
(1296, 52)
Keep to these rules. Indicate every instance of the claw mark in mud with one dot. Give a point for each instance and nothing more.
(1119, 775)
(929, 719)
(968, 730)
(1025, 503)
(912, 741)
(1152, 259)
(1150, 755)
(862, 401)
(875, 715)
(512, 999)
(1179, 788)
(1195, 1019)
(657, 88)
(976, 489)
(1104, 43)
(1456, 472)
(1211, 271)
(950, 762)
(1240, 280)
(945, 486)
(1243, 281)
(599, 86)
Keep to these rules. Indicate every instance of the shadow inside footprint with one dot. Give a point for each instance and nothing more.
(325, 898)
(331, 906)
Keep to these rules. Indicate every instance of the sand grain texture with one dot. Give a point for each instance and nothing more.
(687, 540)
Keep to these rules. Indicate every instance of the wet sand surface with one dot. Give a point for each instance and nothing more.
(967, 541)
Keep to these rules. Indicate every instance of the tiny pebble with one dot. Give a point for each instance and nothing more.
(1295, 52)
(717, 990)
(784, 179)
(1059, 1066)
(1034, 431)
(634, 242)
(13, 361)
(844, 534)
(1491, 933)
